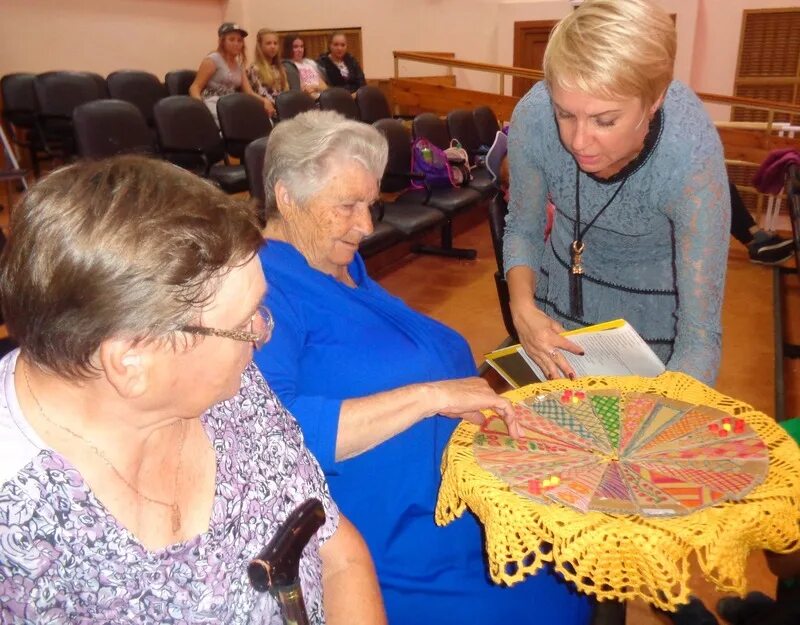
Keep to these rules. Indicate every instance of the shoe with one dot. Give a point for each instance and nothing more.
(772, 251)
(736, 610)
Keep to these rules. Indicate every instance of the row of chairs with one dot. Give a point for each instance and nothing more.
(412, 213)
(185, 133)
(187, 136)
(182, 130)
(38, 108)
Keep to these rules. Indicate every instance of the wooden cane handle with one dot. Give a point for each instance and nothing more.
(278, 564)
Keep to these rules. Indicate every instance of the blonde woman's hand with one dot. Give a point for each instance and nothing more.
(465, 398)
(269, 107)
(541, 338)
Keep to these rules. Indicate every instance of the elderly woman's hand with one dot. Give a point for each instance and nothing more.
(541, 338)
(465, 398)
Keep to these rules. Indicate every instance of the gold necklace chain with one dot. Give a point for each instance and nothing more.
(175, 511)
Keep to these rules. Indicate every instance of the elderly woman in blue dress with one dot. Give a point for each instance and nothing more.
(376, 386)
(635, 170)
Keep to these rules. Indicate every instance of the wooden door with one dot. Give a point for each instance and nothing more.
(530, 40)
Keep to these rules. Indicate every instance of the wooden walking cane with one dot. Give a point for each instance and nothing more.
(277, 568)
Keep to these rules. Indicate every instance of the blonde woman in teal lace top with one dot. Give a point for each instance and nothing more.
(628, 154)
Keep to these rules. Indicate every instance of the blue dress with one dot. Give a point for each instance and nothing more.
(657, 256)
(333, 342)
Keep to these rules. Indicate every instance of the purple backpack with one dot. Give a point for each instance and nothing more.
(430, 161)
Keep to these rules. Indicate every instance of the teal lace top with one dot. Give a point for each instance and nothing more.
(656, 257)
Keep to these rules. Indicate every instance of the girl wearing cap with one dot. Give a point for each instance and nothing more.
(222, 72)
(635, 170)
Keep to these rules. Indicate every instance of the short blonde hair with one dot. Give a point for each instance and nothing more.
(613, 49)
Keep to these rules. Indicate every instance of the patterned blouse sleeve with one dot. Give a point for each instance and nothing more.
(700, 215)
(306, 479)
(254, 80)
(523, 242)
(312, 483)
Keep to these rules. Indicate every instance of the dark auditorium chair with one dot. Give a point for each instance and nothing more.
(100, 83)
(414, 206)
(498, 209)
(178, 81)
(141, 89)
(254, 169)
(242, 119)
(19, 113)
(383, 236)
(433, 128)
(291, 103)
(793, 201)
(292, 75)
(461, 125)
(58, 95)
(104, 128)
(189, 137)
(486, 124)
(340, 100)
(372, 104)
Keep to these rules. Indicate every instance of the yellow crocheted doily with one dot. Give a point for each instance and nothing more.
(624, 557)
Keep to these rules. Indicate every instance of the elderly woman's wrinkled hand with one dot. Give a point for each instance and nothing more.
(466, 397)
(541, 338)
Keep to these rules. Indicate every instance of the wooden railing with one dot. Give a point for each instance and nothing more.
(500, 70)
(745, 146)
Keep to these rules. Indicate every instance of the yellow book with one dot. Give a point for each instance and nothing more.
(610, 348)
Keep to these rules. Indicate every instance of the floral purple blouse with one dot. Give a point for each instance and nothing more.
(65, 559)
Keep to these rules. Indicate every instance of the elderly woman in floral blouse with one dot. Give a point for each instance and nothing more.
(143, 459)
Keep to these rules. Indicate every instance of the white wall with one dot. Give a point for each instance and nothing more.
(159, 35)
(717, 45)
(106, 35)
(461, 26)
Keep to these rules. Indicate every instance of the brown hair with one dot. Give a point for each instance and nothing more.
(288, 40)
(125, 247)
(241, 59)
(336, 33)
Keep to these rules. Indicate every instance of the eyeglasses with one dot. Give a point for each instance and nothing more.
(261, 326)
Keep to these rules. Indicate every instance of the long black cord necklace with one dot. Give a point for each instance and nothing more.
(579, 247)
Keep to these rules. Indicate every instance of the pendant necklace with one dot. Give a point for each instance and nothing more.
(175, 511)
(578, 247)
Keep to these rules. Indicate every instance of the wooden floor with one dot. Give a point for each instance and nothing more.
(462, 295)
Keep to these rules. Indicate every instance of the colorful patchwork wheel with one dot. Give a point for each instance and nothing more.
(624, 454)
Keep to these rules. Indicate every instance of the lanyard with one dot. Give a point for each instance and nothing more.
(578, 247)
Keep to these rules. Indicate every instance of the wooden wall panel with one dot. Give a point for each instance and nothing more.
(414, 97)
(768, 67)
